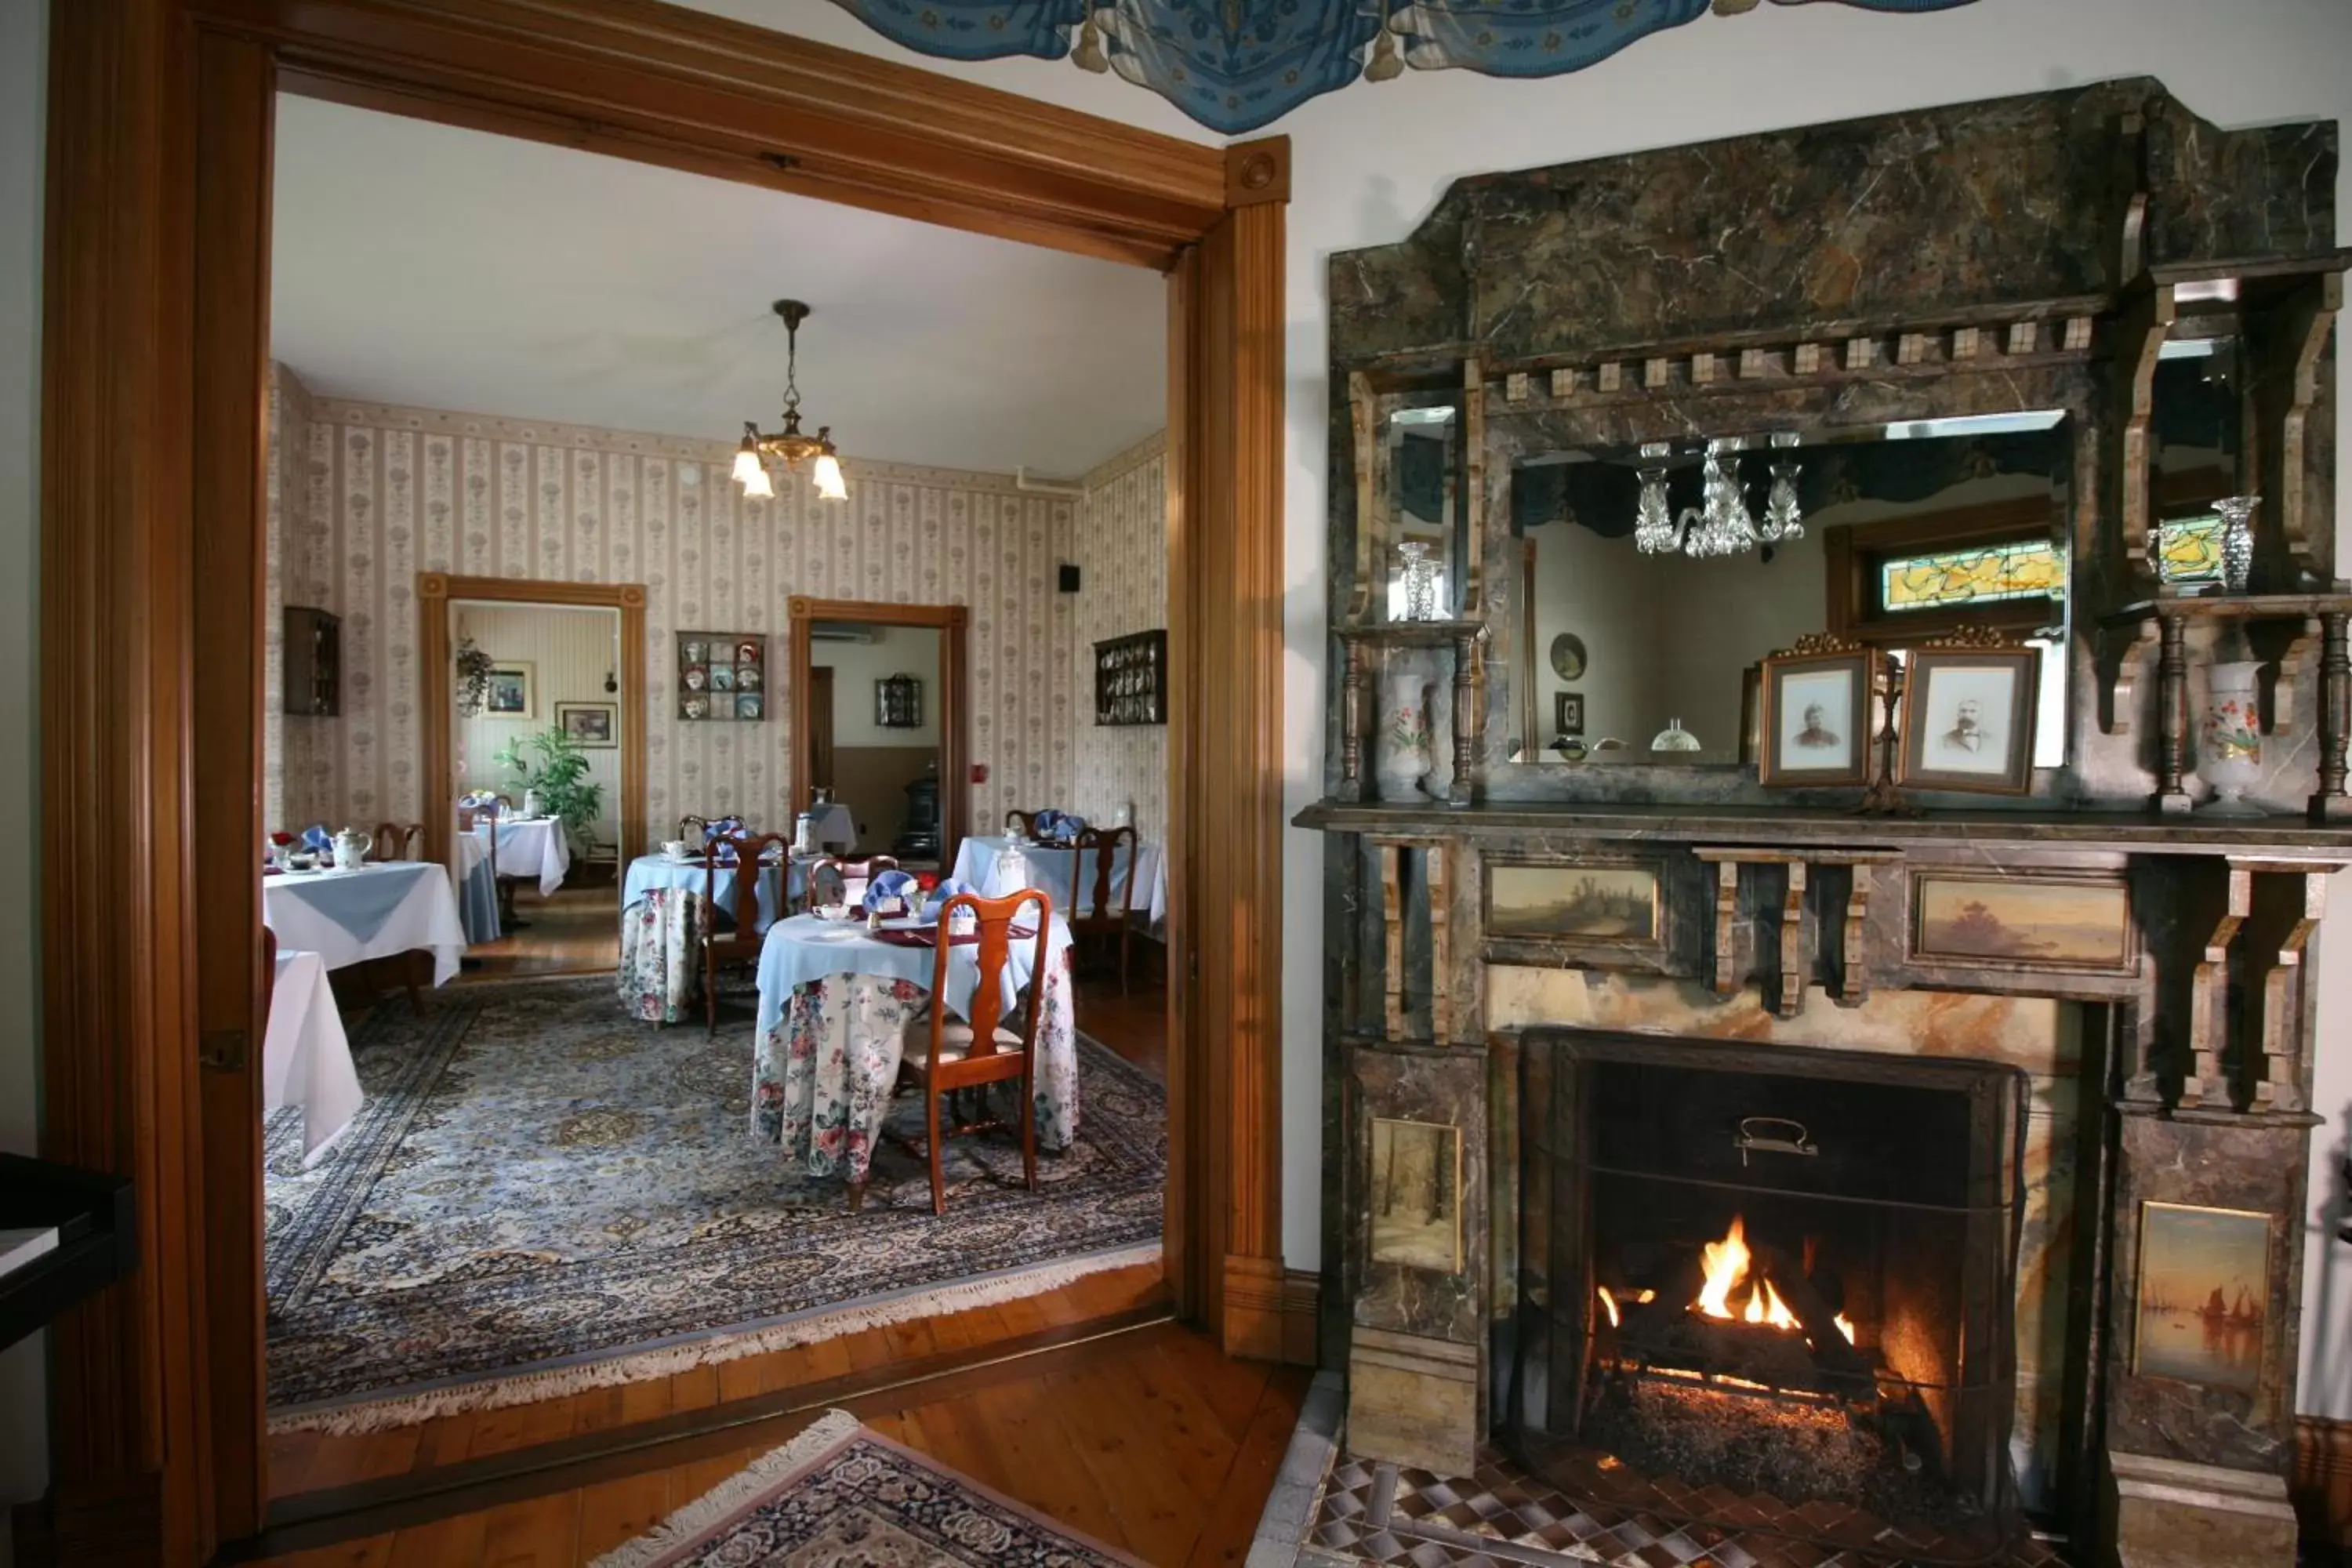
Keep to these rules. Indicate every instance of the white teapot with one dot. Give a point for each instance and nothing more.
(352, 848)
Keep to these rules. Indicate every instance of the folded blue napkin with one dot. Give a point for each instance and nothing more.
(1058, 826)
(892, 886)
(317, 838)
(723, 827)
(943, 892)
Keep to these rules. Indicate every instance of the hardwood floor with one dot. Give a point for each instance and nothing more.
(1147, 1438)
(1135, 1025)
(577, 932)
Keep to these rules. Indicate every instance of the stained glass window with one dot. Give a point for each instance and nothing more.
(2022, 569)
(2188, 550)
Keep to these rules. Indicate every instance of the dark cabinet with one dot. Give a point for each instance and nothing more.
(314, 662)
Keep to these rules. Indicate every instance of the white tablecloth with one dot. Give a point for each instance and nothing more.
(533, 848)
(835, 830)
(1060, 873)
(834, 1005)
(375, 912)
(306, 1060)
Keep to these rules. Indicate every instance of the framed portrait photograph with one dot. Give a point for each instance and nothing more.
(1568, 713)
(510, 694)
(1814, 718)
(1968, 720)
(595, 725)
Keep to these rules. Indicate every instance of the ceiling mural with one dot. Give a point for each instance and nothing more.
(1238, 64)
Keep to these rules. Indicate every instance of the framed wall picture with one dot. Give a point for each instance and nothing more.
(1567, 713)
(1416, 1196)
(1968, 720)
(2204, 1295)
(1813, 717)
(2072, 922)
(595, 725)
(509, 693)
(1610, 911)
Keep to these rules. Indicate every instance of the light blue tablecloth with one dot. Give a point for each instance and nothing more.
(477, 903)
(1051, 869)
(360, 901)
(804, 948)
(647, 872)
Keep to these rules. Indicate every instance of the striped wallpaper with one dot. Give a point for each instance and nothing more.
(384, 493)
(1121, 550)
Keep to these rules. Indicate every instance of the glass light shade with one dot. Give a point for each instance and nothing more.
(827, 476)
(747, 470)
(759, 487)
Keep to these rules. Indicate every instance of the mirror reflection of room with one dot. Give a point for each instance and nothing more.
(874, 710)
(1647, 616)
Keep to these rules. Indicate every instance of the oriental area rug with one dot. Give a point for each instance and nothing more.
(541, 1194)
(841, 1494)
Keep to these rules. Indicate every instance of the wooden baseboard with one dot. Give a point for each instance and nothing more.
(2321, 1488)
(1270, 1312)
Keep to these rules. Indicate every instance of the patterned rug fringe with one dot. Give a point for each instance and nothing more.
(832, 1429)
(526, 1388)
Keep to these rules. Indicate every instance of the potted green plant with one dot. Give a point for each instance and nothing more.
(560, 775)
(473, 667)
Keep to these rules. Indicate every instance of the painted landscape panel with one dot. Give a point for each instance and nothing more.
(1609, 903)
(2204, 1295)
(2085, 923)
(1417, 1195)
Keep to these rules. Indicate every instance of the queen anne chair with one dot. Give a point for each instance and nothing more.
(1021, 825)
(841, 878)
(940, 1054)
(395, 842)
(1101, 910)
(738, 940)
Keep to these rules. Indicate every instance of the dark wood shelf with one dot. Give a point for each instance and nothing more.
(2232, 607)
(98, 1239)
(1412, 634)
(2283, 838)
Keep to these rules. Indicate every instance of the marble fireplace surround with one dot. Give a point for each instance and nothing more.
(1837, 275)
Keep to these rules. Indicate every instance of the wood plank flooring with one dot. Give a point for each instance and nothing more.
(1151, 1441)
(575, 932)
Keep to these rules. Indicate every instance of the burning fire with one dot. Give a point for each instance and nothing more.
(1728, 1263)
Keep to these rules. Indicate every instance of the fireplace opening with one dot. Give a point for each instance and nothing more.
(1784, 1274)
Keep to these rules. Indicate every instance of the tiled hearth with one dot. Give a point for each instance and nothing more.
(1384, 1514)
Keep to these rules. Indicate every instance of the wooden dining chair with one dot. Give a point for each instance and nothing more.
(739, 942)
(1101, 911)
(395, 842)
(840, 873)
(694, 825)
(940, 1055)
(1021, 824)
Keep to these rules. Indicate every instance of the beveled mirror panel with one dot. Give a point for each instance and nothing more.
(1658, 576)
(1419, 485)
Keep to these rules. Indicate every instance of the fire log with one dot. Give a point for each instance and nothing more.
(1839, 1358)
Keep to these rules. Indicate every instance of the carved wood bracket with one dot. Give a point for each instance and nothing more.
(1796, 965)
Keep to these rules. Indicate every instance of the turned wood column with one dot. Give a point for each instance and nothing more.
(1354, 703)
(2172, 698)
(1465, 716)
(2331, 804)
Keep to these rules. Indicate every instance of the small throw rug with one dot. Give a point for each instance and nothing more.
(841, 1494)
(542, 1196)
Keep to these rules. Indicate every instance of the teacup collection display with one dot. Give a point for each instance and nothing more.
(722, 675)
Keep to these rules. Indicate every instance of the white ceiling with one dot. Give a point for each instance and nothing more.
(420, 263)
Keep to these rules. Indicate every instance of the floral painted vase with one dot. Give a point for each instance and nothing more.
(2230, 740)
(1404, 759)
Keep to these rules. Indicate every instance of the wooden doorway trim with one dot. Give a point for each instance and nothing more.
(438, 655)
(154, 345)
(951, 621)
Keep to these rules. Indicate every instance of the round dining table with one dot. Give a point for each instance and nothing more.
(835, 1003)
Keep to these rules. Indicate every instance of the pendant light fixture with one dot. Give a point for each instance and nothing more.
(789, 446)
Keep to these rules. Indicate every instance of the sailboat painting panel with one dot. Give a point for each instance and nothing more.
(2204, 1295)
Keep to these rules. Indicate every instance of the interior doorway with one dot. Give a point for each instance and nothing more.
(886, 737)
(155, 446)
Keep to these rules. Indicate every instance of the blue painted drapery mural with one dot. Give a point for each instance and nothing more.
(1237, 65)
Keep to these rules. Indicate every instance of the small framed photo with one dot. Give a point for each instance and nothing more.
(1814, 718)
(1568, 713)
(1968, 720)
(595, 725)
(510, 695)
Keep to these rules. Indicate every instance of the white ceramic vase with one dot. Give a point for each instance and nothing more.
(2230, 739)
(1402, 758)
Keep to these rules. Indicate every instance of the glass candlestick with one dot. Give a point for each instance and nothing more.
(2237, 514)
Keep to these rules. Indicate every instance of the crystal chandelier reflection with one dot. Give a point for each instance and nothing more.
(1721, 525)
(789, 447)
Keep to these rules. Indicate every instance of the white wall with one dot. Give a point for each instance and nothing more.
(24, 55)
(856, 666)
(572, 650)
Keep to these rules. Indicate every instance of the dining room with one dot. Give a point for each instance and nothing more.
(793, 818)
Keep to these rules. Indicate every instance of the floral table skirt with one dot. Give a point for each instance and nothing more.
(661, 959)
(821, 1079)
